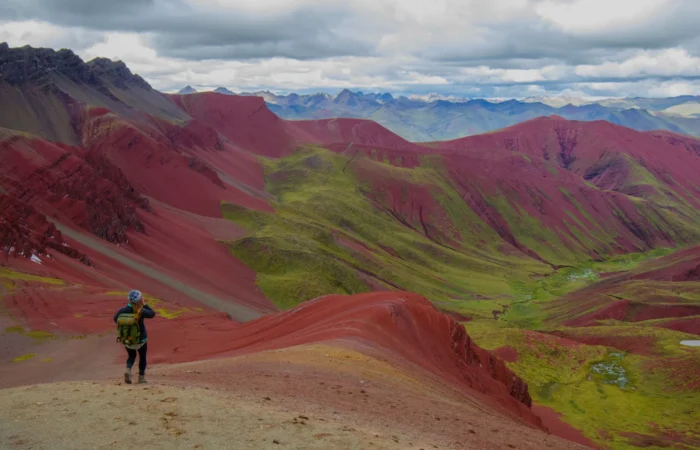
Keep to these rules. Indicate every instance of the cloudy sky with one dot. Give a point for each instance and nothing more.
(477, 48)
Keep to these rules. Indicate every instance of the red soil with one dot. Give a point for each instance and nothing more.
(412, 204)
(331, 379)
(402, 324)
(53, 179)
(678, 267)
(650, 312)
(617, 310)
(628, 311)
(639, 345)
(457, 316)
(249, 124)
(663, 440)
(589, 149)
(345, 131)
(43, 179)
(180, 245)
(599, 152)
(400, 328)
(690, 325)
(159, 170)
(506, 353)
(189, 272)
(553, 421)
(25, 232)
(681, 372)
(245, 121)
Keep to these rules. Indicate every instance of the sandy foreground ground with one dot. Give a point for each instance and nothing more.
(308, 397)
(82, 415)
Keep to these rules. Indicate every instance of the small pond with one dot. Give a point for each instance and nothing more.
(691, 343)
(610, 370)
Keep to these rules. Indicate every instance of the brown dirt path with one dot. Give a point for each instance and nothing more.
(239, 311)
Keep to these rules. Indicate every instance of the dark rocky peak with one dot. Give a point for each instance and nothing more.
(117, 73)
(385, 97)
(346, 96)
(187, 90)
(223, 90)
(26, 65)
(346, 93)
(29, 65)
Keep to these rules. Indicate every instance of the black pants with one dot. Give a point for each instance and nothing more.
(142, 358)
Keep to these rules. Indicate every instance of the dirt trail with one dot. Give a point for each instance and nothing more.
(100, 415)
(239, 312)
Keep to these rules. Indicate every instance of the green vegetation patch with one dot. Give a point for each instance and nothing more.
(15, 329)
(37, 335)
(24, 357)
(598, 388)
(12, 275)
(332, 232)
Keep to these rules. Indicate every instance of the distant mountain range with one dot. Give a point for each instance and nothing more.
(434, 117)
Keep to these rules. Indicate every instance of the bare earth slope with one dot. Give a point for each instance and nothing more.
(381, 366)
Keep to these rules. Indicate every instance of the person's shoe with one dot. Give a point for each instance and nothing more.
(127, 378)
(142, 379)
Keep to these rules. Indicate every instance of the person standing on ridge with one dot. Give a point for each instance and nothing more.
(131, 331)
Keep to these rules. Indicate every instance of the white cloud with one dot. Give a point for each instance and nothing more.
(471, 47)
(675, 89)
(125, 46)
(583, 16)
(44, 34)
(668, 62)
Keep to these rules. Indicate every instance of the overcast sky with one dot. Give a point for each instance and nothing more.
(476, 48)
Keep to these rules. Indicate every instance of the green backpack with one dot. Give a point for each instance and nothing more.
(128, 332)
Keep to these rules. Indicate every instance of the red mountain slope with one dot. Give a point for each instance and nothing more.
(665, 288)
(401, 324)
(609, 156)
(344, 131)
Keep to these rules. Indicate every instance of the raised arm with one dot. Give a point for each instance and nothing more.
(147, 312)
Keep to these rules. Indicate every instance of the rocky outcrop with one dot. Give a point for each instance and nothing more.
(24, 232)
(73, 185)
(117, 73)
(26, 65)
(94, 193)
(472, 355)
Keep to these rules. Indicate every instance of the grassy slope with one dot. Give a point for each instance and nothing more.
(363, 223)
(327, 236)
(560, 374)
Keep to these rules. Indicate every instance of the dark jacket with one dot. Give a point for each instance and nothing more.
(146, 313)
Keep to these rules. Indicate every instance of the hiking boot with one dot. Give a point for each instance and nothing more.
(127, 378)
(142, 379)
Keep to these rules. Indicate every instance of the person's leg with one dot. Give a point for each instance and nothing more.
(129, 364)
(143, 362)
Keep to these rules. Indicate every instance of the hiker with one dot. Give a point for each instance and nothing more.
(132, 333)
